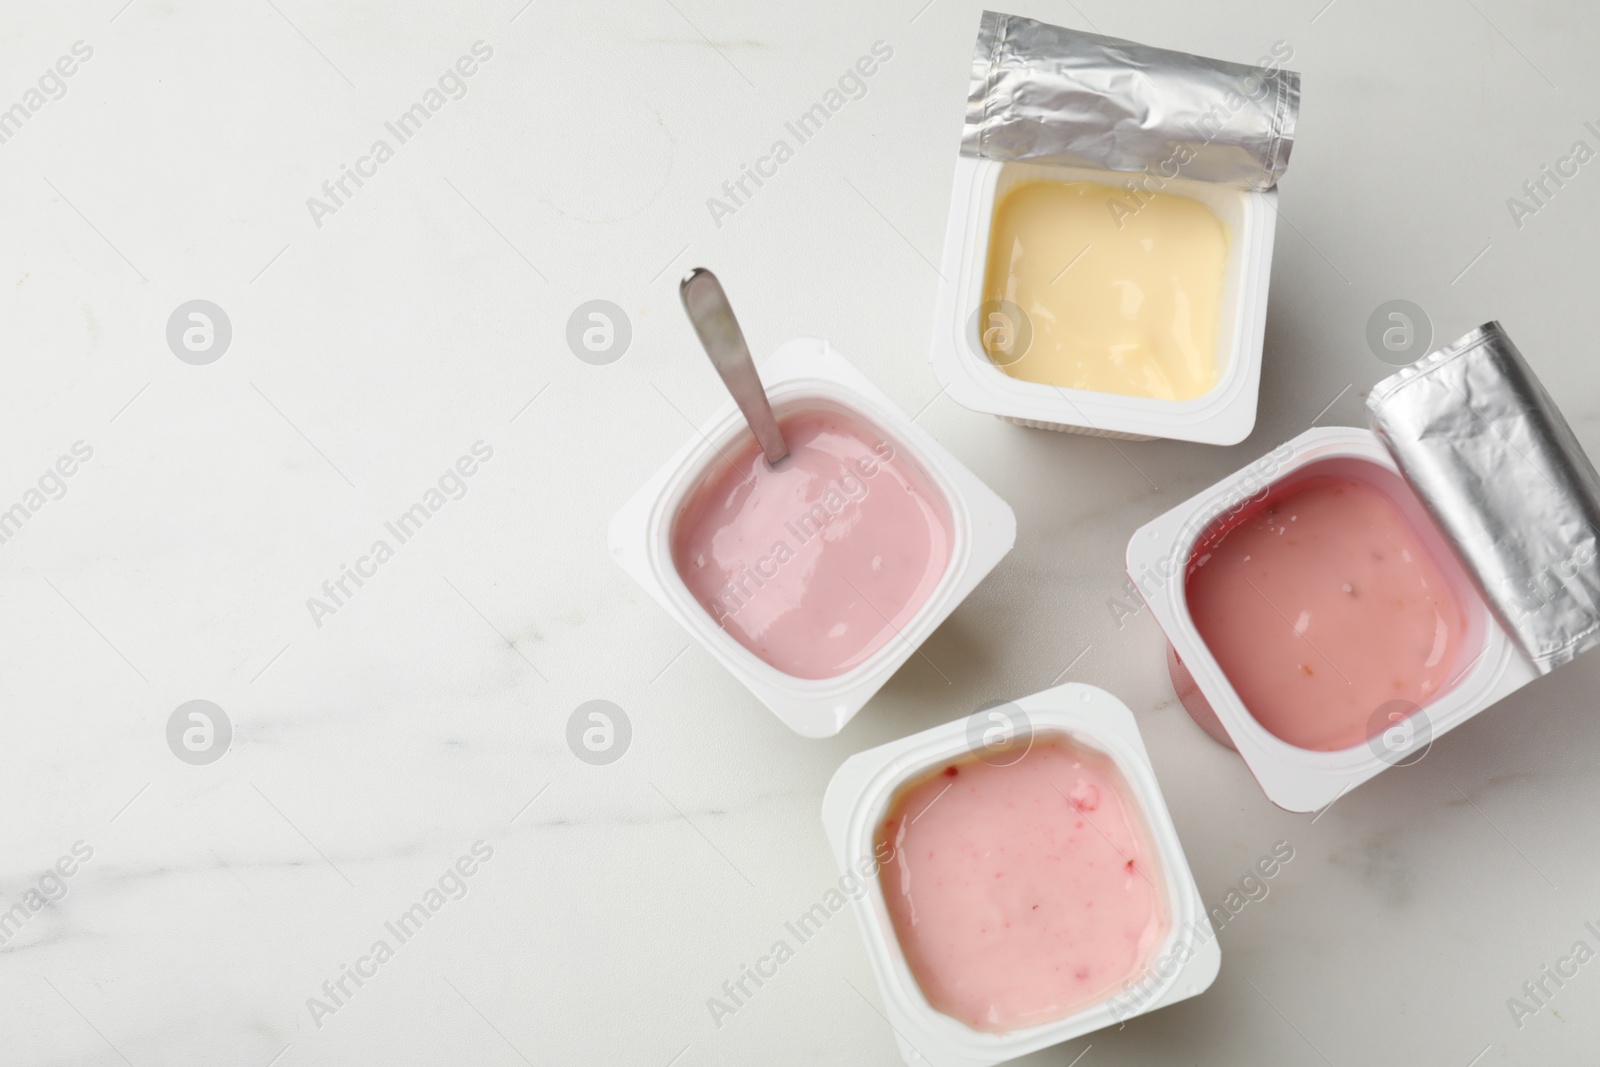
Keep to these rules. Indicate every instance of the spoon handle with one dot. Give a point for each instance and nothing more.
(724, 342)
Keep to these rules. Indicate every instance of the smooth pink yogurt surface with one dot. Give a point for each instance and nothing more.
(1022, 893)
(1328, 615)
(817, 564)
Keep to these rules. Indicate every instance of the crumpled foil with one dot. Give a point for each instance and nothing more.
(1053, 95)
(1501, 472)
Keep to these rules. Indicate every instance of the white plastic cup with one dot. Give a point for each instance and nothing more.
(805, 373)
(1295, 778)
(1223, 416)
(858, 799)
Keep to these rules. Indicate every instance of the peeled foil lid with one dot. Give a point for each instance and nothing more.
(1052, 95)
(1501, 472)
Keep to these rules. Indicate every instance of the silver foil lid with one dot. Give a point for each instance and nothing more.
(1501, 472)
(1053, 95)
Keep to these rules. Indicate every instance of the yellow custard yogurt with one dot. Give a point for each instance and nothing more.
(1122, 298)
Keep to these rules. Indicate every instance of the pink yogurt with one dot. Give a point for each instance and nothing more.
(1327, 613)
(1022, 893)
(818, 563)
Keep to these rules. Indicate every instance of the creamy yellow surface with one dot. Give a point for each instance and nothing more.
(1129, 309)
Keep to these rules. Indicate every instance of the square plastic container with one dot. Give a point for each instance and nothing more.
(1224, 416)
(858, 799)
(809, 373)
(1295, 778)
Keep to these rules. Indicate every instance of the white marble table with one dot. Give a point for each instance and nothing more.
(377, 741)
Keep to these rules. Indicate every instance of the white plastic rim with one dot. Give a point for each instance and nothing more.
(1295, 778)
(1224, 416)
(808, 372)
(856, 802)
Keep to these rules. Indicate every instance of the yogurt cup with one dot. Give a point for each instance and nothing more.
(1223, 416)
(1489, 665)
(860, 797)
(803, 375)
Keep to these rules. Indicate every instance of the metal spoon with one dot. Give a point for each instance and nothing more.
(724, 342)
